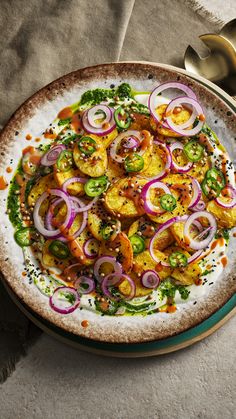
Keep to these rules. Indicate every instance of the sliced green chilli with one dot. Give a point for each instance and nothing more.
(65, 161)
(122, 118)
(193, 150)
(178, 260)
(96, 186)
(134, 163)
(168, 202)
(107, 231)
(59, 249)
(87, 145)
(138, 244)
(25, 236)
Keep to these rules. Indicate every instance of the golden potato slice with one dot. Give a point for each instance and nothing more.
(105, 140)
(143, 261)
(178, 118)
(180, 187)
(157, 162)
(97, 215)
(49, 260)
(164, 240)
(226, 218)
(177, 230)
(41, 186)
(114, 170)
(120, 248)
(133, 228)
(76, 247)
(122, 199)
(199, 170)
(94, 165)
(188, 275)
(76, 188)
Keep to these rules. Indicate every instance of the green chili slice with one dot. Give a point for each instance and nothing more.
(107, 231)
(58, 249)
(134, 163)
(193, 150)
(96, 186)
(25, 236)
(178, 260)
(168, 202)
(65, 161)
(87, 145)
(138, 244)
(215, 179)
(122, 118)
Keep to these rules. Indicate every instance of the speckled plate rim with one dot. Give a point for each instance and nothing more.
(186, 323)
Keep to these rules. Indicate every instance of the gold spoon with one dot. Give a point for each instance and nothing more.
(220, 64)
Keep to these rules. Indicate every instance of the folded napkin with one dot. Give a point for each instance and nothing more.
(40, 41)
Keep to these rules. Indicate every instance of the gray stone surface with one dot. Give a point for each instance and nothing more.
(55, 381)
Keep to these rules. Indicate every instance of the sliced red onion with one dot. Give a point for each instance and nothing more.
(84, 220)
(193, 243)
(106, 259)
(52, 155)
(160, 89)
(98, 131)
(50, 213)
(70, 215)
(116, 143)
(197, 193)
(145, 196)
(93, 115)
(73, 180)
(60, 303)
(181, 169)
(82, 206)
(230, 204)
(87, 248)
(108, 281)
(131, 142)
(195, 256)
(160, 230)
(84, 285)
(181, 128)
(200, 206)
(150, 279)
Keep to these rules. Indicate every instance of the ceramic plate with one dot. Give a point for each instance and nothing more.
(33, 117)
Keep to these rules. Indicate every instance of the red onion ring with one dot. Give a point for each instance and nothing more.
(131, 142)
(197, 193)
(82, 207)
(50, 158)
(113, 279)
(106, 259)
(181, 129)
(84, 280)
(159, 230)
(145, 196)
(69, 216)
(160, 89)
(98, 131)
(168, 164)
(91, 115)
(115, 144)
(150, 279)
(87, 250)
(181, 169)
(194, 244)
(73, 180)
(233, 198)
(55, 304)
(200, 206)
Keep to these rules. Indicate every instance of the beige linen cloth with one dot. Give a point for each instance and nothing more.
(41, 40)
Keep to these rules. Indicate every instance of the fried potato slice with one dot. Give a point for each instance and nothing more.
(104, 140)
(41, 186)
(49, 260)
(226, 218)
(94, 165)
(76, 188)
(180, 186)
(177, 230)
(178, 118)
(121, 198)
(77, 247)
(120, 248)
(143, 261)
(115, 170)
(97, 216)
(157, 162)
(140, 122)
